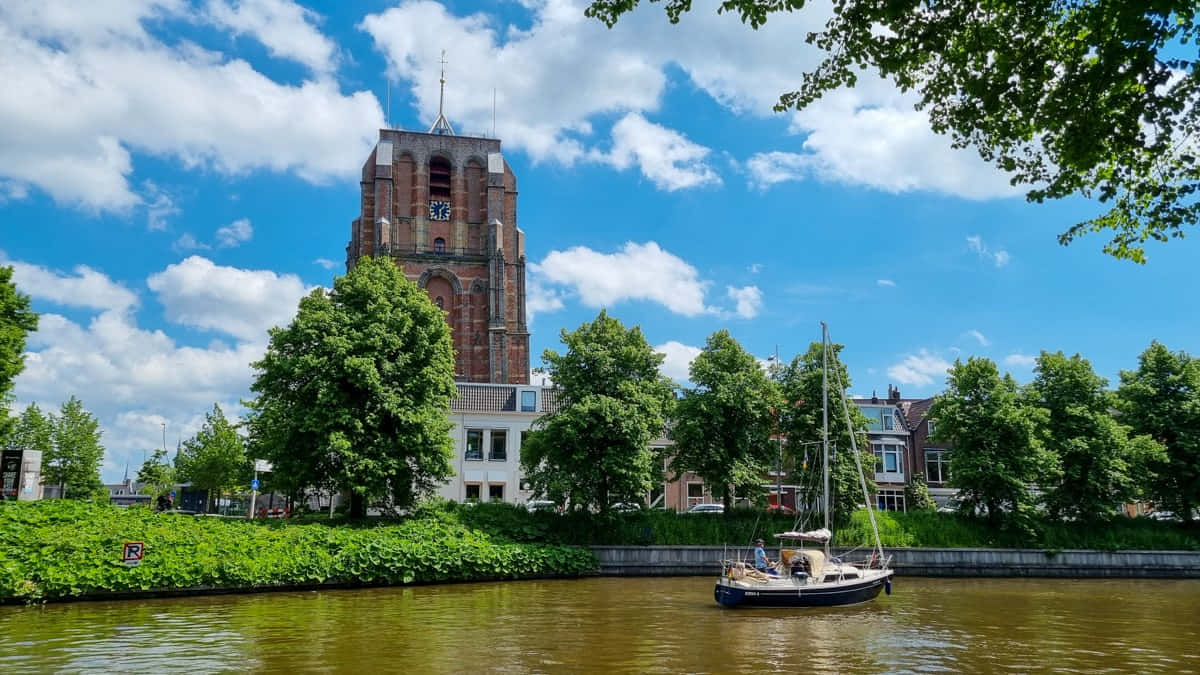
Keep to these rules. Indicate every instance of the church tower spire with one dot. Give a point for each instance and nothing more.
(441, 125)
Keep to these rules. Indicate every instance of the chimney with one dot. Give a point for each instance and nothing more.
(874, 398)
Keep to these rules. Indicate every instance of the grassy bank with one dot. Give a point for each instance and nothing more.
(924, 529)
(62, 549)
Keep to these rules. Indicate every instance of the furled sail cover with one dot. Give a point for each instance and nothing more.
(822, 535)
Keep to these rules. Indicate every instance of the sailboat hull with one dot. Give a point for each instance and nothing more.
(731, 594)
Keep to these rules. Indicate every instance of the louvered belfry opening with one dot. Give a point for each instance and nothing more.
(439, 178)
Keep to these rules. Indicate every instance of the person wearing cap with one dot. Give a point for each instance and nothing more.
(761, 562)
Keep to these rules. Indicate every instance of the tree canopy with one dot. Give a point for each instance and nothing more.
(355, 392)
(594, 450)
(213, 460)
(722, 427)
(16, 321)
(1162, 399)
(801, 420)
(75, 461)
(1094, 464)
(156, 474)
(1099, 98)
(994, 435)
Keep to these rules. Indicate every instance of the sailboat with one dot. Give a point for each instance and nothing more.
(812, 577)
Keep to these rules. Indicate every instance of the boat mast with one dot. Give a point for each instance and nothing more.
(825, 426)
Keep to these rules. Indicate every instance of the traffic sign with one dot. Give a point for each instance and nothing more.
(132, 553)
(254, 484)
(263, 465)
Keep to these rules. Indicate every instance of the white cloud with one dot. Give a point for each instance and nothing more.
(539, 298)
(235, 233)
(748, 300)
(636, 272)
(979, 336)
(665, 156)
(998, 257)
(754, 268)
(114, 89)
(326, 263)
(921, 368)
(286, 29)
(678, 358)
(132, 378)
(187, 242)
(885, 282)
(159, 206)
(237, 302)
(86, 287)
(1018, 360)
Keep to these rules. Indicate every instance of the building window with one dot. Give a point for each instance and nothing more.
(474, 444)
(473, 492)
(440, 302)
(524, 437)
(937, 466)
(439, 179)
(499, 451)
(889, 500)
(496, 493)
(889, 457)
(931, 428)
(888, 420)
(695, 493)
(439, 245)
(528, 401)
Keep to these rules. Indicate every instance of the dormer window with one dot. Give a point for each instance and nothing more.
(888, 420)
(439, 245)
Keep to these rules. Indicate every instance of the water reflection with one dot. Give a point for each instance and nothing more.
(622, 625)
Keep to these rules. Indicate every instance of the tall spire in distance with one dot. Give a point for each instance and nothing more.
(441, 125)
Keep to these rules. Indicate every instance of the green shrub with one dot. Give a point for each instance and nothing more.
(61, 549)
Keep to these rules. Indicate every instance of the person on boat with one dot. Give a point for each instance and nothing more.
(761, 562)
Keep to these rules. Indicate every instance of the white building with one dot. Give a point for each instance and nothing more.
(491, 422)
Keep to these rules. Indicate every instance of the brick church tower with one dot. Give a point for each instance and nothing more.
(444, 208)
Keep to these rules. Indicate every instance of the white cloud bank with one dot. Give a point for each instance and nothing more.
(635, 272)
(116, 88)
(134, 379)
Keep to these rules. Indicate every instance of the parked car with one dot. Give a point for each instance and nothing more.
(626, 506)
(707, 508)
(541, 505)
(777, 508)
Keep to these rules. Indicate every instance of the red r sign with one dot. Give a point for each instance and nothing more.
(132, 554)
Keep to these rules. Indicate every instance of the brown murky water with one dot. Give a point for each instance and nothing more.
(622, 625)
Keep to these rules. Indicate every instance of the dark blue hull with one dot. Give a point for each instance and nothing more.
(846, 594)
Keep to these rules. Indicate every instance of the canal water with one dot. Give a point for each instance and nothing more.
(643, 625)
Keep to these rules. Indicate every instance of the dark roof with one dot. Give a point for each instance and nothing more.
(499, 398)
(915, 411)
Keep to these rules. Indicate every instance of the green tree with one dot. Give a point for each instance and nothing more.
(996, 451)
(214, 459)
(75, 462)
(34, 430)
(1099, 98)
(916, 494)
(156, 474)
(594, 450)
(722, 428)
(1089, 477)
(801, 421)
(16, 321)
(1162, 400)
(355, 392)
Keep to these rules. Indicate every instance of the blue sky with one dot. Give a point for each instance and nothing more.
(175, 175)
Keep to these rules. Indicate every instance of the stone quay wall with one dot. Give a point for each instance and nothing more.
(927, 562)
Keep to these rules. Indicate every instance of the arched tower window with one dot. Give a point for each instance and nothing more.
(440, 302)
(439, 188)
(439, 245)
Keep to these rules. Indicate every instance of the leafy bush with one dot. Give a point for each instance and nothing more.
(62, 549)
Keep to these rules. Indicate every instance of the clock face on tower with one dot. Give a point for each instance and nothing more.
(439, 209)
